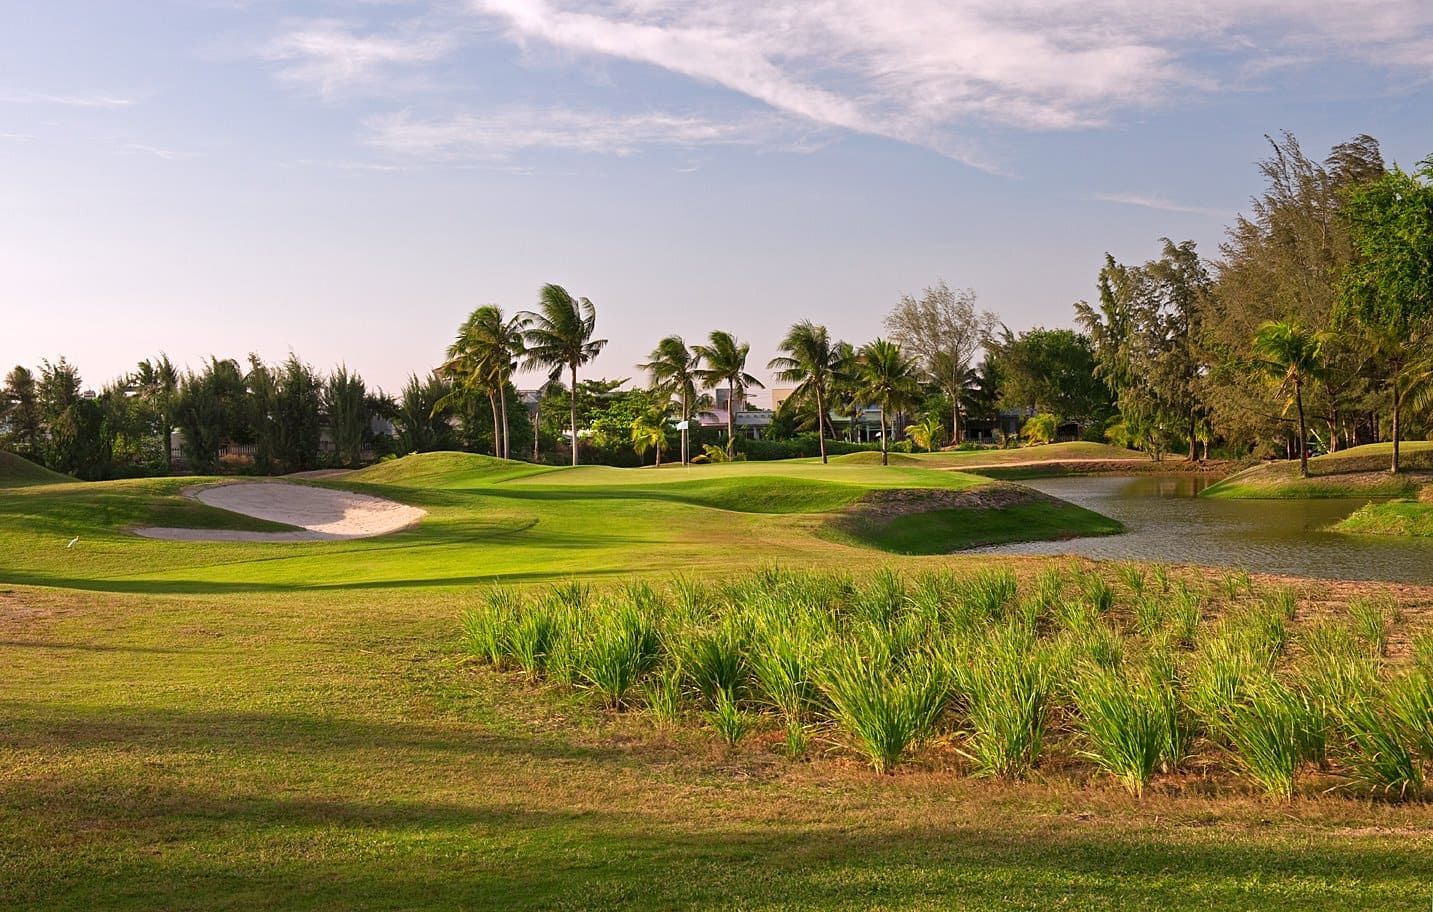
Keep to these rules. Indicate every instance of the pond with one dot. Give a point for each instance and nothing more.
(1167, 522)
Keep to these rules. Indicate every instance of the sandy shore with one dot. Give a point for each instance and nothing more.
(321, 514)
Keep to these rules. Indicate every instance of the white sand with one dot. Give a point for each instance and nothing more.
(321, 513)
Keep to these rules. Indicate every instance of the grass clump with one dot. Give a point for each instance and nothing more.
(1004, 670)
(885, 706)
(1125, 725)
(1006, 688)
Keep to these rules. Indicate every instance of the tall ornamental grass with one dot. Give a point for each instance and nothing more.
(885, 707)
(1134, 671)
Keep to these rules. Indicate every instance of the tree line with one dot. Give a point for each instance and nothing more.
(1310, 329)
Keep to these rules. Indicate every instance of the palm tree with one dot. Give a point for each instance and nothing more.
(1293, 356)
(559, 336)
(890, 380)
(814, 364)
(158, 384)
(649, 432)
(483, 357)
(674, 370)
(726, 364)
(927, 432)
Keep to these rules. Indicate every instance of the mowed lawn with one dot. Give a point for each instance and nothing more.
(487, 520)
(1356, 472)
(191, 726)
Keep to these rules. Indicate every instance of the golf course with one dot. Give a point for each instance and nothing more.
(312, 724)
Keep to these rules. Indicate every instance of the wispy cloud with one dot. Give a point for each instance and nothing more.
(948, 75)
(156, 151)
(931, 72)
(69, 101)
(1146, 201)
(499, 134)
(329, 56)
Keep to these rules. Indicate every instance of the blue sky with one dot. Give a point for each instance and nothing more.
(347, 180)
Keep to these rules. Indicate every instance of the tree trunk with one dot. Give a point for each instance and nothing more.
(730, 420)
(885, 439)
(821, 423)
(1397, 413)
(572, 409)
(1303, 431)
(537, 428)
(497, 432)
(507, 431)
(658, 463)
(686, 422)
(1193, 421)
(955, 424)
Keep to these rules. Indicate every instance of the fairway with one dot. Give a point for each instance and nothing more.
(486, 520)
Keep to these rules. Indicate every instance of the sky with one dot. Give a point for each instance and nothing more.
(346, 180)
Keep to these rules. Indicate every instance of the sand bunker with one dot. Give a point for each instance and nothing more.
(321, 514)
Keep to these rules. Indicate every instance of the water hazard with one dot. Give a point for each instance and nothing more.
(1167, 522)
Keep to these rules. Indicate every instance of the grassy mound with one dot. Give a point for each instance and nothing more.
(945, 531)
(941, 521)
(1357, 472)
(1050, 452)
(873, 458)
(1404, 517)
(444, 470)
(17, 471)
(487, 519)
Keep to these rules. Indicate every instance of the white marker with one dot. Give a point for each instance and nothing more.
(72, 542)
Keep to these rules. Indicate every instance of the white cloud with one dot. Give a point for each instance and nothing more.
(926, 71)
(329, 57)
(156, 151)
(941, 74)
(69, 101)
(498, 134)
(1149, 201)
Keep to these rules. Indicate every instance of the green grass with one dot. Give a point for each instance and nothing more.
(303, 753)
(1407, 518)
(1050, 452)
(16, 471)
(944, 531)
(487, 520)
(301, 726)
(1357, 472)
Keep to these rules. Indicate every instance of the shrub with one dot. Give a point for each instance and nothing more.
(664, 694)
(982, 598)
(715, 664)
(486, 627)
(531, 638)
(782, 668)
(1410, 702)
(1271, 729)
(1381, 758)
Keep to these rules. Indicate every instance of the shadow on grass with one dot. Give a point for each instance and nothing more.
(195, 850)
(212, 587)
